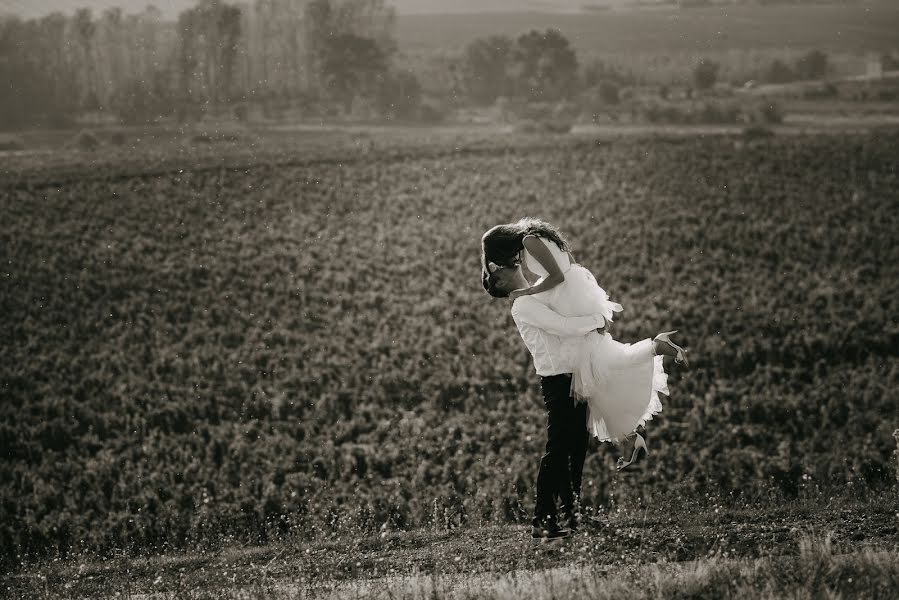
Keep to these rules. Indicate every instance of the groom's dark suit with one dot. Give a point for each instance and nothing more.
(562, 465)
(553, 341)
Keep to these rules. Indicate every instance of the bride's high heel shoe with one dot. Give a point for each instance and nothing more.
(681, 357)
(639, 446)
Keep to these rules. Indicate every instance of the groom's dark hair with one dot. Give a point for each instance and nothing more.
(502, 244)
(491, 284)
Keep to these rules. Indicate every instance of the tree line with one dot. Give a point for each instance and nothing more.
(321, 58)
(217, 56)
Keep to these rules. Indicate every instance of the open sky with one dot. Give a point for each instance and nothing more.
(171, 8)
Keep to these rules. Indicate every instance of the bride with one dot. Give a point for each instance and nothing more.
(619, 382)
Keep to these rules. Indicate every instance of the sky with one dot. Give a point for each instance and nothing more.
(171, 8)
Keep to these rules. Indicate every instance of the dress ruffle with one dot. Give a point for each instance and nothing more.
(621, 383)
(597, 425)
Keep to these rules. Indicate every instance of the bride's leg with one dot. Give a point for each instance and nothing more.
(660, 348)
(663, 345)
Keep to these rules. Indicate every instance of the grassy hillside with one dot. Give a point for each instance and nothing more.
(284, 349)
(650, 547)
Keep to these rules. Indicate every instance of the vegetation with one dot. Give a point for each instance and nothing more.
(300, 348)
(140, 69)
(647, 547)
(350, 59)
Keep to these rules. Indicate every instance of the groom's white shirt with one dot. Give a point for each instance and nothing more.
(552, 339)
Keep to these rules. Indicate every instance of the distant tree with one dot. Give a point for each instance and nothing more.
(813, 65)
(779, 72)
(705, 74)
(85, 29)
(545, 66)
(138, 101)
(889, 62)
(486, 69)
(596, 71)
(208, 37)
(351, 66)
(317, 20)
(348, 47)
(398, 95)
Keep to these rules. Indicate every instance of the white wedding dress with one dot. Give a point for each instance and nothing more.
(620, 382)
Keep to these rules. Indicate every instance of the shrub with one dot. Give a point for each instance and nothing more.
(11, 144)
(86, 140)
(827, 90)
(771, 114)
(550, 126)
(565, 111)
(241, 111)
(779, 72)
(556, 126)
(609, 92)
(757, 132)
(432, 112)
(813, 65)
(705, 74)
(117, 138)
(526, 126)
(719, 113)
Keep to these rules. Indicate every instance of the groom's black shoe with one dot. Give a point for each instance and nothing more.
(548, 533)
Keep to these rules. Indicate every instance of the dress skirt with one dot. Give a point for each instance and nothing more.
(620, 382)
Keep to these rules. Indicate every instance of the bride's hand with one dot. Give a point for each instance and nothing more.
(516, 294)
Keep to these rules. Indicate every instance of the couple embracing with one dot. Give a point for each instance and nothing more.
(591, 383)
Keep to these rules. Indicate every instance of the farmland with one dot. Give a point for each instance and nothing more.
(298, 348)
(851, 27)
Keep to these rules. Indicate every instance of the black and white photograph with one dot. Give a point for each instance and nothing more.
(449, 299)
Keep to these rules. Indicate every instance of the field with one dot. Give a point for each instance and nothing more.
(273, 371)
(851, 27)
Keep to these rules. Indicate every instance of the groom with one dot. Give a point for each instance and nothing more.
(553, 341)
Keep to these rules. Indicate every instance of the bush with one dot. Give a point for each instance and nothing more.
(757, 132)
(827, 90)
(565, 111)
(212, 138)
(86, 141)
(536, 111)
(779, 72)
(556, 126)
(550, 126)
(666, 113)
(117, 138)
(11, 144)
(526, 126)
(705, 74)
(241, 111)
(813, 65)
(432, 112)
(770, 113)
(609, 92)
(714, 113)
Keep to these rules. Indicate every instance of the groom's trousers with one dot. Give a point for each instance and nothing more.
(562, 464)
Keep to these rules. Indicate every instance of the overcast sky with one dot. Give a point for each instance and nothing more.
(171, 8)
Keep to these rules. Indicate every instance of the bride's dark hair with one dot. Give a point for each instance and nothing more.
(502, 244)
